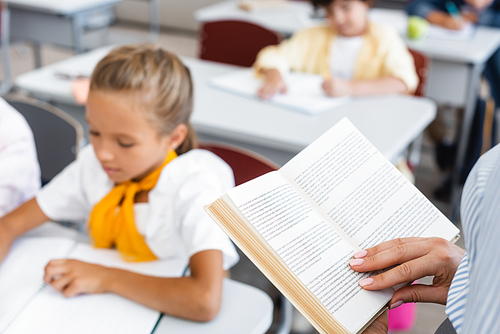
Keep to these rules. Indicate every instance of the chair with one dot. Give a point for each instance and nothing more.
(246, 166)
(234, 42)
(422, 68)
(6, 84)
(58, 136)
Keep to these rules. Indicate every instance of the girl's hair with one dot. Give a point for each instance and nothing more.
(160, 76)
(326, 3)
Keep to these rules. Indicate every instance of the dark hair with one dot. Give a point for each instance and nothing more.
(326, 3)
(161, 76)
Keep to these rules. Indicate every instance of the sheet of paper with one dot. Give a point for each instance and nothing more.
(21, 273)
(304, 91)
(464, 34)
(48, 311)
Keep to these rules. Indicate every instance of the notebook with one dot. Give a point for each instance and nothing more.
(28, 305)
(304, 91)
(464, 34)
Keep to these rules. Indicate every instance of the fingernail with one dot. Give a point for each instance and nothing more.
(396, 304)
(356, 262)
(360, 254)
(366, 281)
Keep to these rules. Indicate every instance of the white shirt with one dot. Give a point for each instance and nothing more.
(173, 222)
(19, 169)
(343, 54)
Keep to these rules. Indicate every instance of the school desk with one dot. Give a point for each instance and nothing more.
(244, 309)
(53, 21)
(390, 122)
(61, 22)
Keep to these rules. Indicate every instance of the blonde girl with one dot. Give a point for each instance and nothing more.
(141, 186)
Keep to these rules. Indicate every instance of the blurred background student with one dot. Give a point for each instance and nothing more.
(19, 169)
(355, 56)
(479, 12)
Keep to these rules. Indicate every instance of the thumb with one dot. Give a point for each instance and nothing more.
(419, 293)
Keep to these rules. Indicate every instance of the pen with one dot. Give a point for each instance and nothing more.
(453, 10)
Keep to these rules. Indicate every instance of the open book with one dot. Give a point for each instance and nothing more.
(301, 225)
(28, 305)
(304, 94)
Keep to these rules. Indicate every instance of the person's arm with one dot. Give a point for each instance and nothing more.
(445, 20)
(17, 222)
(341, 87)
(80, 90)
(414, 258)
(195, 297)
(273, 84)
(19, 168)
(276, 60)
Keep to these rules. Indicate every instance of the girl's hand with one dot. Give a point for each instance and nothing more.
(337, 87)
(73, 277)
(414, 258)
(380, 325)
(80, 89)
(470, 16)
(5, 242)
(446, 20)
(273, 84)
(454, 23)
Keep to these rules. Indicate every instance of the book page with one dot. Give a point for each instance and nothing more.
(309, 245)
(21, 273)
(358, 189)
(51, 312)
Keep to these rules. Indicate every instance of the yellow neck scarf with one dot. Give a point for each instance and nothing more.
(112, 222)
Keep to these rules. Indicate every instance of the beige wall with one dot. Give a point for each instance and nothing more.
(173, 13)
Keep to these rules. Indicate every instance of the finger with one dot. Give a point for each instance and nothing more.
(386, 245)
(419, 293)
(264, 92)
(54, 269)
(379, 326)
(61, 283)
(260, 92)
(393, 256)
(73, 289)
(405, 272)
(267, 92)
(284, 89)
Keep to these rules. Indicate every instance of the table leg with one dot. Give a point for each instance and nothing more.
(78, 30)
(154, 20)
(286, 316)
(6, 85)
(475, 71)
(37, 54)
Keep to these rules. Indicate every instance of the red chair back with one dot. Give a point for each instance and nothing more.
(246, 165)
(234, 42)
(422, 67)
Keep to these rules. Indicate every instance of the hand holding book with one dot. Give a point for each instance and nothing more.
(302, 224)
(415, 258)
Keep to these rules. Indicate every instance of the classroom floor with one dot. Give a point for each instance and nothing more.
(184, 43)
